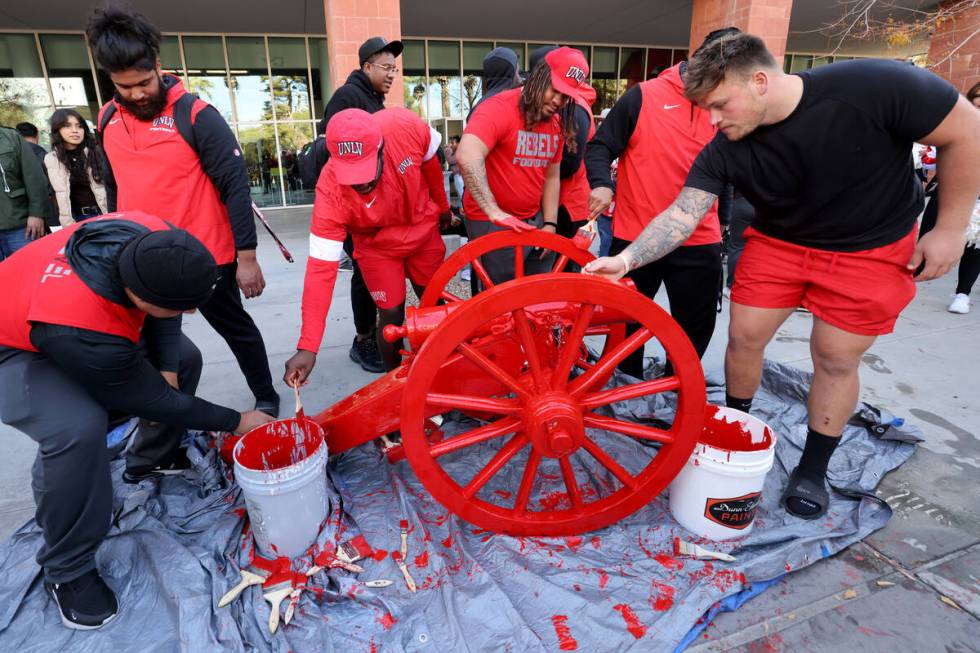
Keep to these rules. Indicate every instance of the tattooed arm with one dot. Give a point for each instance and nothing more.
(664, 234)
(471, 155)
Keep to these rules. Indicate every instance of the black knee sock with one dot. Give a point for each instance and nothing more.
(813, 467)
(744, 405)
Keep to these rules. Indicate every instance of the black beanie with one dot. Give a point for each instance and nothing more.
(170, 269)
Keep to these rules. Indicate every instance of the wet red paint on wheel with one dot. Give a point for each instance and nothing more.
(546, 412)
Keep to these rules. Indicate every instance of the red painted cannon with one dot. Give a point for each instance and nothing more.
(515, 358)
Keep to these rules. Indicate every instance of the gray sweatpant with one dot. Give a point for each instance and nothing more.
(71, 482)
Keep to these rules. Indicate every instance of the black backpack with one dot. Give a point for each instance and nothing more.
(182, 118)
(312, 158)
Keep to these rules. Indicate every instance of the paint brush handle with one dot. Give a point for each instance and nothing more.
(300, 414)
(268, 227)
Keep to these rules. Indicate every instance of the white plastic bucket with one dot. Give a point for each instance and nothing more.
(716, 494)
(282, 472)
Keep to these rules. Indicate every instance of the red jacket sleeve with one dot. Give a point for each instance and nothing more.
(432, 172)
(327, 235)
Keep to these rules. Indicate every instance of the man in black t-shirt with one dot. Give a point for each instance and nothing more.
(836, 239)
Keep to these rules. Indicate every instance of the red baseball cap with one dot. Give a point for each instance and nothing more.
(353, 140)
(569, 70)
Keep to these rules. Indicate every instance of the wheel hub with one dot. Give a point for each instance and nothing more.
(554, 423)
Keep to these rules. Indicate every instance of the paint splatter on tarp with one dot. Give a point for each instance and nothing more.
(618, 589)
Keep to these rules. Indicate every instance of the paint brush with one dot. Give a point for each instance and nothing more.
(690, 549)
(249, 576)
(276, 588)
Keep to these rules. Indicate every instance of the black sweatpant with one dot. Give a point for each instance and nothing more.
(226, 314)
(692, 276)
(361, 303)
(71, 482)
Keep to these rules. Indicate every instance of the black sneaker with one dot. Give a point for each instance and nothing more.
(179, 464)
(85, 603)
(269, 406)
(365, 353)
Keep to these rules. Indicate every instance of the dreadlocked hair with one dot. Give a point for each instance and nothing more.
(532, 99)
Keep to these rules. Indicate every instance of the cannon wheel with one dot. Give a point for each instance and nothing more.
(470, 254)
(547, 411)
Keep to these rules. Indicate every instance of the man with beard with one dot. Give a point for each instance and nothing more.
(202, 188)
(837, 240)
(511, 152)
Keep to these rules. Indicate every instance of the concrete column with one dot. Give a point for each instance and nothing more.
(350, 23)
(954, 51)
(767, 19)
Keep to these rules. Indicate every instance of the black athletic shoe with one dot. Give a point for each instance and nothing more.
(180, 463)
(85, 603)
(269, 406)
(365, 353)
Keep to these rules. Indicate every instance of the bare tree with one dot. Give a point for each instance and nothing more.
(896, 23)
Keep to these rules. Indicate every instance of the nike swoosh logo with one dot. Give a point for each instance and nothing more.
(670, 106)
(373, 199)
(114, 121)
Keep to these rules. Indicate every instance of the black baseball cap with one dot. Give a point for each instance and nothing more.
(377, 44)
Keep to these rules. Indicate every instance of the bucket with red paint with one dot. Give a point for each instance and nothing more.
(281, 468)
(717, 493)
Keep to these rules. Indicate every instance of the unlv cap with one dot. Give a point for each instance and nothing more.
(569, 70)
(353, 140)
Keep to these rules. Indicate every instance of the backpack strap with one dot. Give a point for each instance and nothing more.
(186, 109)
(108, 111)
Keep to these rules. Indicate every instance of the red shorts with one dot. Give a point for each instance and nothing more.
(393, 254)
(860, 292)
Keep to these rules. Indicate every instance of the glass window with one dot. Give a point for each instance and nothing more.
(631, 66)
(787, 63)
(320, 70)
(71, 77)
(801, 62)
(292, 137)
(473, 54)
(679, 56)
(516, 47)
(532, 48)
(821, 61)
(170, 56)
(249, 78)
(258, 143)
(23, 93)
(445, 93)
(413, 60)
(206, 74)
(605, 77)
(291, 89)
(658, 60)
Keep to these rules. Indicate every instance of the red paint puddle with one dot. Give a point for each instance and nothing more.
(422, 559)
(603, 578)
(387, 621)
(239, 512)
(665, 597)
(448, 542)
(573, 543)
(633, 625)
(279, 444)
(596, 543)
(379, 554)
(731, 436)
(565, 640)
(668, 562)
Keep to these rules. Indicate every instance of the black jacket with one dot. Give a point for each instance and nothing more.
(116, 372)
(356, 93)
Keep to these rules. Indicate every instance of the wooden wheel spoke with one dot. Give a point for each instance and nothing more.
(607, 461)
(494, 370)
(508, 451)
(571, 486)
(469, 402)
(571, 348)
(475, 436)
(450, 297)
(631, 391)
(631, 429)
(605, 366)
(481, 272)
(523, 326)
(518, 262)
(527, 482)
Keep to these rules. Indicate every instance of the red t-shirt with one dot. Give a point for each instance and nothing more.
(519, 157)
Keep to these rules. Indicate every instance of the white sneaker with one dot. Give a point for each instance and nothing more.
(960, 304)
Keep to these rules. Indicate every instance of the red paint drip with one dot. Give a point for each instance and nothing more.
(448, 542)
(379, 554)
(664, 600)
(633, 625)
(387, 621)
(730, 436)
(565, 640)
(668, 562)
(603, 578)
(422, 559)
(573, 543)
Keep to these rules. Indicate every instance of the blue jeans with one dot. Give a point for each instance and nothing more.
(605, 234)
(11, 240)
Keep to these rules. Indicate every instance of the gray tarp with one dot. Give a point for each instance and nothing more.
(618, 589)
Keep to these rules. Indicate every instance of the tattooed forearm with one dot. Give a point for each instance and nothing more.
(671, 228)
(477, 185)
